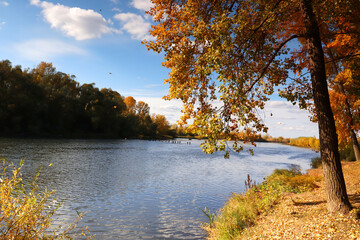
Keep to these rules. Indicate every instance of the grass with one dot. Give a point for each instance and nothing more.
(316, 162)
(346, 155)
(242, 210)
(297, 210)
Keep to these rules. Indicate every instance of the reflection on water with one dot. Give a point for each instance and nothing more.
(137, 189)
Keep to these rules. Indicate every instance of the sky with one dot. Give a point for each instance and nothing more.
(100, 42)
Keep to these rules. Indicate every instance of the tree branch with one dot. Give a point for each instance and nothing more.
(347, 58)
(268, 16)
(260, 26)
(277, 50)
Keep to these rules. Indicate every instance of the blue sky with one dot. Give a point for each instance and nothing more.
(100, 42)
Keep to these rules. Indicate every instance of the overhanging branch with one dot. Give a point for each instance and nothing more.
(347, 58)
(277, 50)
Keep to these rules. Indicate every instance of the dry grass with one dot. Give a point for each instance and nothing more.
(243, 210)
(304, 215)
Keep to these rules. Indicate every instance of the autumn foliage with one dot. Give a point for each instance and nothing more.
(44, 102)
(23, 215)
(25, 211)
(228, 57)
(339, 100)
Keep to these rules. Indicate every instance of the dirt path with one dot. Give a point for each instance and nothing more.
(304, 216)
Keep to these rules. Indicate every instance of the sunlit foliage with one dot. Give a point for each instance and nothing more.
(228, 57)
(230, 52)
(23, 215)
(25, 211)
(163, 126)
(308, 142)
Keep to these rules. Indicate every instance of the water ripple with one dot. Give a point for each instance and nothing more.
(143, 189)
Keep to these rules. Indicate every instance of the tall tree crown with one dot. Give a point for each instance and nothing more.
(228, 57)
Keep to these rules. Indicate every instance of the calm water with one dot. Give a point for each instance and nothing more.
(133, 189)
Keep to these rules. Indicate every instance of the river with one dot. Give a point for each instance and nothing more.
(135, 189)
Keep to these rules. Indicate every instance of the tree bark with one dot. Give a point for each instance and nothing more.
(356, 146)
(337, 199)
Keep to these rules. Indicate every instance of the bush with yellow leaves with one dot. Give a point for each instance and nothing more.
(26, 212)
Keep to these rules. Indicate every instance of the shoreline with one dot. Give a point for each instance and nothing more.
(304, 215)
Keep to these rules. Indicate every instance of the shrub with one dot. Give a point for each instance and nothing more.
(315, 162)
(285, 172)
(347, 154)
(25, 212)
(291, 180)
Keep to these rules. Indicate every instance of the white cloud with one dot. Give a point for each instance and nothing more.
(2, 24)
(279, 104)
(285, 119)
(280, 124)
(134, 24)
(150, 92)
(115, 9)
(144, 5)
(171, 109)
(46, 49)
(73, 21)
(4, 3)
(297, 128)
(35, 2)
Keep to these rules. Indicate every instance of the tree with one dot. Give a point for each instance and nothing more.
(55, 83)
(142, 109)
(130, 103)
(46, 102)
(346, 110)
(334, 179)
(162, 124)
(237, 52)
(20, 101)
(345, 45)
(61, 91)
(139, 120)
(146, 125)
(340, 34)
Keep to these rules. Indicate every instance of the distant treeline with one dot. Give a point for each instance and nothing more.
(346, 152)
(307, 142)
(43, 102)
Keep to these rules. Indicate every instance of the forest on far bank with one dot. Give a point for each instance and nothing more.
(43, 102)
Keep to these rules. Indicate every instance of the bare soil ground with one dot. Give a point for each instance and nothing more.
(304, 216)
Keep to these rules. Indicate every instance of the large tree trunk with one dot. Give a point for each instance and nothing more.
(337, 198)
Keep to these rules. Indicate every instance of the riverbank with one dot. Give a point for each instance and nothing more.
(303, 215)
